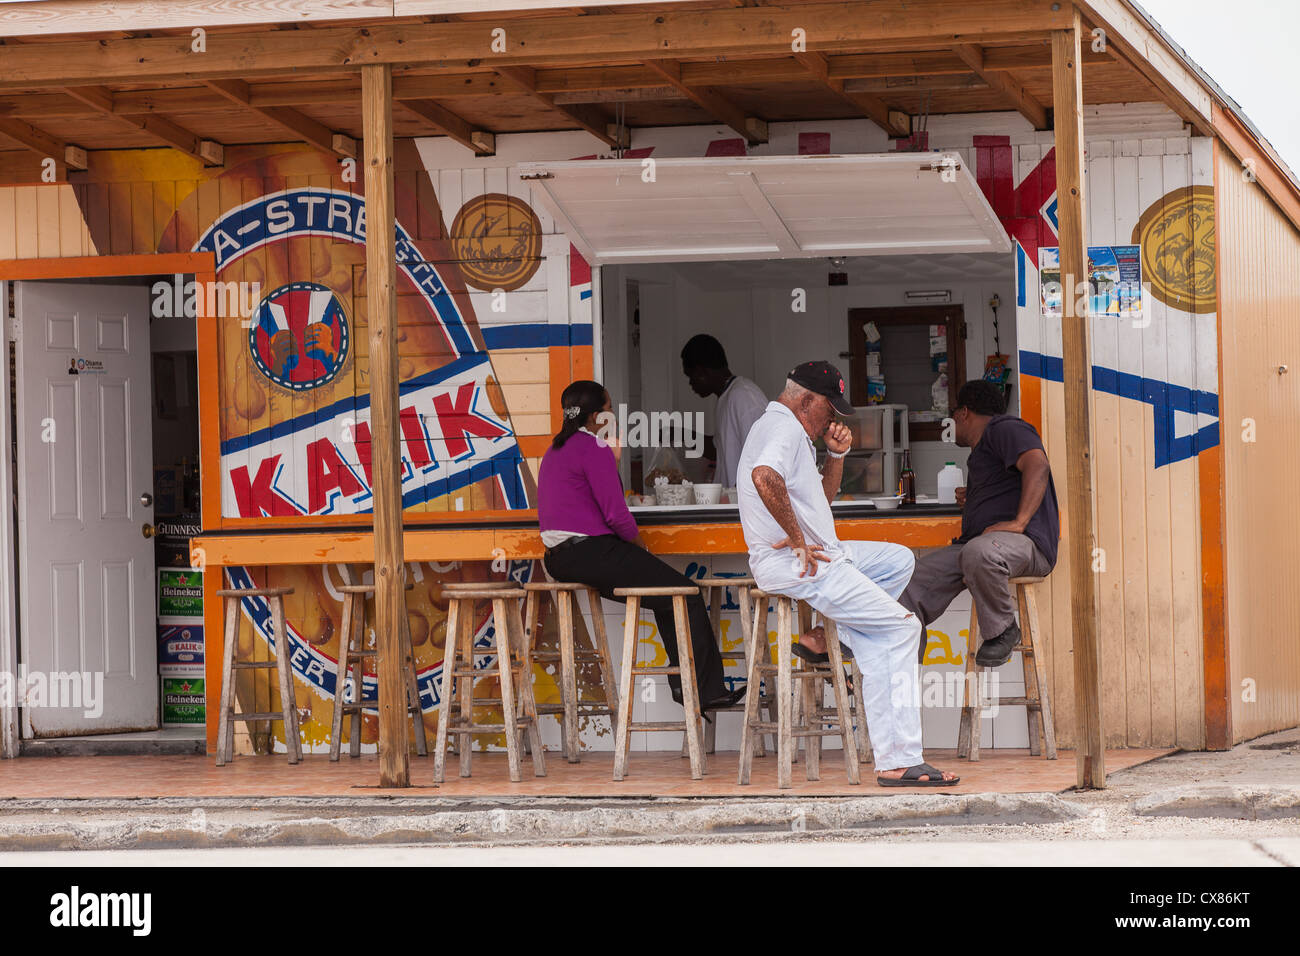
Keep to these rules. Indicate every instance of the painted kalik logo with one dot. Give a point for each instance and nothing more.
(299, 336)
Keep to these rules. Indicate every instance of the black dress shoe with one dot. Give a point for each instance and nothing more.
(729, 699)
(998, 651)
(812, 657)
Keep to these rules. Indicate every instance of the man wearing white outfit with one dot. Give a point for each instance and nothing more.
(786, 516)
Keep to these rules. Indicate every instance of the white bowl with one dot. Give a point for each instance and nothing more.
(708, 494)
(887, 503)
(675, 495)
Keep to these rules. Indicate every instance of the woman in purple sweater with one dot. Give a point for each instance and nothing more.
(591, 538)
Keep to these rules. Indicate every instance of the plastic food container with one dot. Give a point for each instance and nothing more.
(674, 495)
(708, 494)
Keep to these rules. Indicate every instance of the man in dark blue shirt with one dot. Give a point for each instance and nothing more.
(1009, 526)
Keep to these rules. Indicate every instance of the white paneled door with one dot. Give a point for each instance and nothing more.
(88, 636)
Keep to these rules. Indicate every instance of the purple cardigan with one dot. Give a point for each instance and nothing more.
(579, 490)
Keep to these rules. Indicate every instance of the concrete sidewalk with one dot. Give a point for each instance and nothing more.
(1250, 793)
(1277, 852)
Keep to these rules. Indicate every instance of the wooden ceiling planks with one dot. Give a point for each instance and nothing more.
(885, 73)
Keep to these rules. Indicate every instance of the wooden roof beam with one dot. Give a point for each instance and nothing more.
(894, 122)
(587, 117)
(42, 143)
(479, 142)
(567, 83)
(1005, 84)
(100, 98)
(544, 40)
(753, 129)
(944, 83)
(300, 125)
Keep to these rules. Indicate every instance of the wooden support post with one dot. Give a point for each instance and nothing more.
(1067, 101)
(381, 298)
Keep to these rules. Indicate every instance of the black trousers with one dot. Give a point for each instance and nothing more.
(606, 562)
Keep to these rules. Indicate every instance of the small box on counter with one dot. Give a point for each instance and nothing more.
(180, 645)
(180, 592)
(184, 700)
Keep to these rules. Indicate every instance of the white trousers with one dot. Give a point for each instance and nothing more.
(858, 591)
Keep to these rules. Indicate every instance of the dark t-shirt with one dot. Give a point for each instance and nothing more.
(993, 485)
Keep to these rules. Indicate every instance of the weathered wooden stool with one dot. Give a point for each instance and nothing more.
(449, 586)
(1037, 699)
(353, 658)
(288, 712)
(715, 594)
(685, 670)
(815, 722)
(857, 699)
(808, 699)
(569, 657)
(510, 664)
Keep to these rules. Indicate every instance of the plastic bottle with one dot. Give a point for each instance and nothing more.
(950, 479)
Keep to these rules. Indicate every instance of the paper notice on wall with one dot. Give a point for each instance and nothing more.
(1114, 282)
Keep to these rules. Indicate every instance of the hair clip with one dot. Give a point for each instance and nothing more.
(573, 411)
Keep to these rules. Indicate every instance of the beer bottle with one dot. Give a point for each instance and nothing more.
(907, 480)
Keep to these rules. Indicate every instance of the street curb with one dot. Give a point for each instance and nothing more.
(1240, 802)
(188, 826)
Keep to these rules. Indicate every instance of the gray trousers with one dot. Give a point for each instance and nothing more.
(984, 565)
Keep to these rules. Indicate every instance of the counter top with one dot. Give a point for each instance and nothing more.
(685, 531)
(843, 510)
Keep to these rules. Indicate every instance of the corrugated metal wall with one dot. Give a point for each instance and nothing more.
(1259, 288)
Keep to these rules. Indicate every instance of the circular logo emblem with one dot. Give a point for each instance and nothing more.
(498, 241)
(1176, 234)
(299, 336)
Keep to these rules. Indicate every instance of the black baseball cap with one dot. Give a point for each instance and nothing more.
(824, 379)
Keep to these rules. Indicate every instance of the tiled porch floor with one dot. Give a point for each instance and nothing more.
(650, 774)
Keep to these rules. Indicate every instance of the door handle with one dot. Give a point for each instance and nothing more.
(147, 530)
(146, 499)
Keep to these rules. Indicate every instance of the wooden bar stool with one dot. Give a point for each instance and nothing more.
(288, 712)
(715, 593)
(562, 595)
(807, 700)
(1037, 699)
(815, 722)
(353, 658)
(857, 700)
(510, 664)
(685, 670)
(448, 586)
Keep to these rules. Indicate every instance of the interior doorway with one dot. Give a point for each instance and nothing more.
(105, 415)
